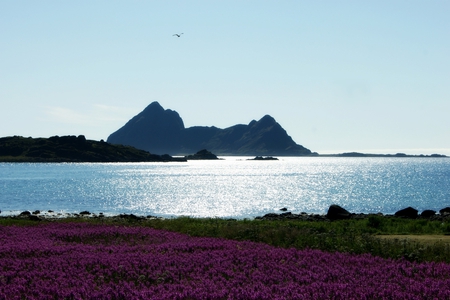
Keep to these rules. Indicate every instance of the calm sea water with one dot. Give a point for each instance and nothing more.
(232, 187)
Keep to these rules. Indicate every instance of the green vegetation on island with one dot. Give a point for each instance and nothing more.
(72, 149)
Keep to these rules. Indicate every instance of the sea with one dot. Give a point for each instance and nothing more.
(232, 187)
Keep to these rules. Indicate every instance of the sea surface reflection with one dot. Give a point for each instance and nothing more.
(230, 187)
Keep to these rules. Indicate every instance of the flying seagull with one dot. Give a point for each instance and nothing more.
(177, 34)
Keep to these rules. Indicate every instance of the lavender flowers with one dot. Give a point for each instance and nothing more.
(83, 261)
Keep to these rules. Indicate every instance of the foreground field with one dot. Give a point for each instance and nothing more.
(416, 240)
(81, 260)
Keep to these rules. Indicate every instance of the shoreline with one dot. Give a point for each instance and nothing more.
(335, 212)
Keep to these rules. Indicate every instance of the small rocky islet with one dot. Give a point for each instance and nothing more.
(263, 158)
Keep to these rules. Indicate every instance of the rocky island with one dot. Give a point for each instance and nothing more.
(263, 158)
(202, 155)
(160, 130)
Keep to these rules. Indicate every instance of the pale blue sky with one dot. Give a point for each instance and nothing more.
(339, 76)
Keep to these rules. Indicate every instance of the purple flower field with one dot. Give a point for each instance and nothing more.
(83, 261)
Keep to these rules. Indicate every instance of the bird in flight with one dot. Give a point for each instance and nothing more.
(177, 34)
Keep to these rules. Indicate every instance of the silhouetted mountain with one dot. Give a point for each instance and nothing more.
(154, 129)
(162, 131)
(72, 149)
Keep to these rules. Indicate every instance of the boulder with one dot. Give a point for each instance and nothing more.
(130, 217)
(445, 210)
(34, 218)
(270, 216)
(335, 212)
(428, 213)
(409, 212)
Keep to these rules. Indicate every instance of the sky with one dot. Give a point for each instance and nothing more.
(339, 76)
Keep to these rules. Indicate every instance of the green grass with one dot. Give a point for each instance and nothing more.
(352, 236)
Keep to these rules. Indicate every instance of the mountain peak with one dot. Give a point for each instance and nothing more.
(162, 131)
(154, 106)
(267, 118)
(154, 129)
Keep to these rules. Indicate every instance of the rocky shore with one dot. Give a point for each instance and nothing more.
(38, 215)
(335, 212)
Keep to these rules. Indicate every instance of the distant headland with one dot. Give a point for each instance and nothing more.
(358, 154)
(72, 149)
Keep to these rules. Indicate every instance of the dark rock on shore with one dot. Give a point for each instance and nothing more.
(409, 212)
(34, 218)
(28, 215)
(131, 217)
(50, 215)
(291, 216)
(445, 210)
(335, 212)
(428, 213)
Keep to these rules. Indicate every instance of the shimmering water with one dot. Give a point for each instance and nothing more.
(232, 187)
